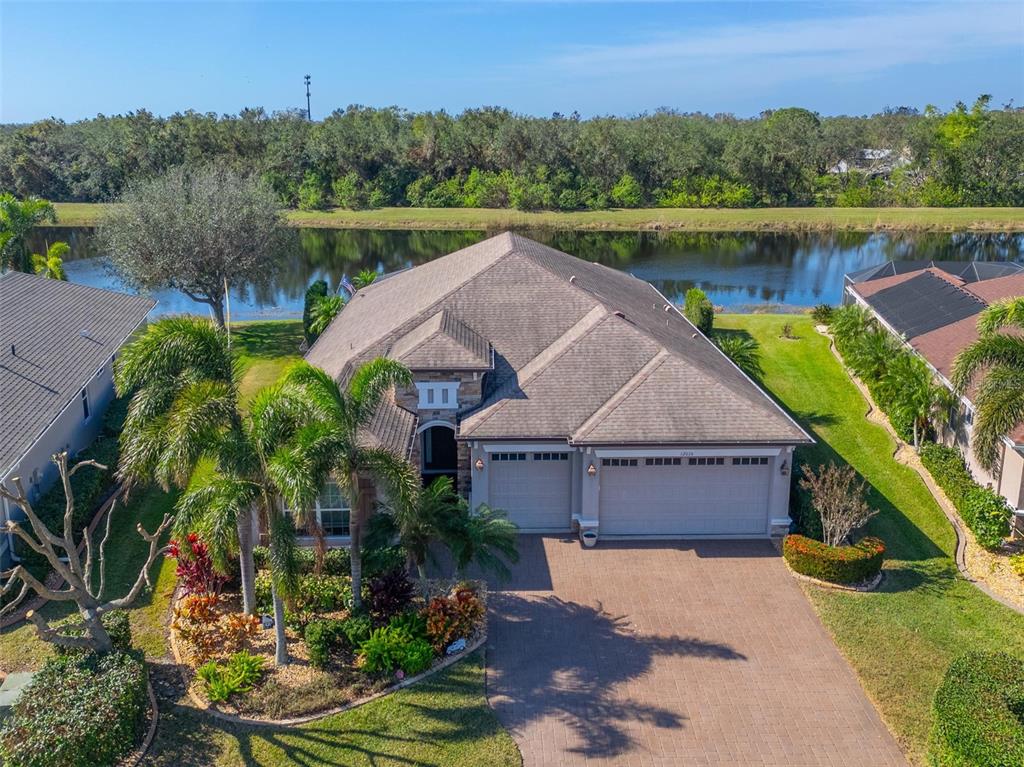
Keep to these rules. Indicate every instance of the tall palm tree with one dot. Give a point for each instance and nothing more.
(869, 355)
(997, 359)
(183, 383)
(51, 264)
(849, 323)
(348, 412)
(277, 459)
(17, 219)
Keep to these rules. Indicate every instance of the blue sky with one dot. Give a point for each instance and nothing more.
(74, 60)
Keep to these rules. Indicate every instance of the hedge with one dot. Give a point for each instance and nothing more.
(836, 564)
(699, 310)
(983, 510)
(85, 711)
(978, 713)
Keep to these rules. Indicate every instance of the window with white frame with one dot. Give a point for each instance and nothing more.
(438, 396)
(332, 510)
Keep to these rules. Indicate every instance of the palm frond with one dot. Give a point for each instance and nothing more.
(487, 539)
(371, 382)
(198, 414)
(987, 351)
(171, 346)
(1008, 313)
(999, 409)
(212, 509)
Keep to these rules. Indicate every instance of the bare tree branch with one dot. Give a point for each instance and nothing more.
(11, 606)
(103, 550)
(155, 550)
(53, 636)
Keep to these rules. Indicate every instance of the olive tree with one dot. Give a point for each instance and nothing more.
(84, 584)
(198, 231)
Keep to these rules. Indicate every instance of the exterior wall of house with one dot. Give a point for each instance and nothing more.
(70, 431)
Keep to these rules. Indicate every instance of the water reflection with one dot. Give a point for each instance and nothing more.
(738, 270)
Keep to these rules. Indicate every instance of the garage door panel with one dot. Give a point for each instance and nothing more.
(684, 500)
(534, 493)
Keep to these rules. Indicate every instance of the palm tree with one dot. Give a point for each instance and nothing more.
(869, 355)
(849, 323)
(909, 385)
(51, 265)
(348, 412)
(183, 383)
(277, 459)
(323, 312)
(364, 278)
(485, 538)
(998, 360)
(743, 351)
(17, 219)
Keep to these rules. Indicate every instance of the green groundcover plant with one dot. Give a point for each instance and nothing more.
(79, 711)
(979, 713)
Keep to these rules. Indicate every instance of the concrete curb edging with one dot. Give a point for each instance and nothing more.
(209, 710)
(937, 493)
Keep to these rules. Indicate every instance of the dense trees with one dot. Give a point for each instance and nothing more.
(363, 157)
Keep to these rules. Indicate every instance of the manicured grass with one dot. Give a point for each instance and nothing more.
(21, 649)
(900, 639)
(752, 219)
(265, 349)
(443, 720)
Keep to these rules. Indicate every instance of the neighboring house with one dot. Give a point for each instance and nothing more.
(58, 341)
(933, 308)
(873, 162)
(568, 394)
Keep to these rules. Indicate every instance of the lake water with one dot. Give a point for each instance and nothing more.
(740, 271)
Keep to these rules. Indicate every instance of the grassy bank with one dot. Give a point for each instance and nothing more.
(901, 638)
(669, 219)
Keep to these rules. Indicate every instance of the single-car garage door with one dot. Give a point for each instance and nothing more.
(685, 496)
(532, 488)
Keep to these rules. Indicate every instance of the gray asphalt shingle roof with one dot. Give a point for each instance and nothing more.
(62, 334)
(574, 343)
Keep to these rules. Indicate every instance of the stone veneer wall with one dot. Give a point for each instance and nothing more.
(470, 393)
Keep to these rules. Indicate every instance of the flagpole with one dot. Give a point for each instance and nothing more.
(227, 302)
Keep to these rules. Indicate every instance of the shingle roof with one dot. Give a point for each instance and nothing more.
(567, 336)
(62, 334)
(442, 343)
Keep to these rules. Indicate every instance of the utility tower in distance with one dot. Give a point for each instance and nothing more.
(309, 115)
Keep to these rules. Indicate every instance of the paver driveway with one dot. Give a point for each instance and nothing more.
(672, 653)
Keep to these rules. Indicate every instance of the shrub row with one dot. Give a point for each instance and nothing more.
(79, 711)
(978, 713)
(983, 510)
(337, 561)
(835, 564)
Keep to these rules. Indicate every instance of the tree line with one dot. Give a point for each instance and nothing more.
(491, 157)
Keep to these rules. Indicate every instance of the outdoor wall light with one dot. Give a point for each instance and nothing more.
(591, 470)
(784, 468)
(479, 464)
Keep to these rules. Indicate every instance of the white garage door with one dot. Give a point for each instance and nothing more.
(532, 488)
(684, 496)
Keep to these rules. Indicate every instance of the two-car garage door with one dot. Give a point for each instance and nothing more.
(533, 489)
(680, 496)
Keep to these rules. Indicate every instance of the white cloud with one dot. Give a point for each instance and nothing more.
(844, 47)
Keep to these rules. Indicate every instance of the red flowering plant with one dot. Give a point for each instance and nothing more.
(195, 567)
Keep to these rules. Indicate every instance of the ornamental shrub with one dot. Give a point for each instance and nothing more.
(1017, 564)
(356, 629)
(388, 594)
(314, 293)
(322, 637)
(835, 564)
(195, 571)
(978, 713)
(222, 680)
(78, 711)
(983, 510)
(822, 314)
(118, 627)
(452, 618)
(699, 310)
(393, 647)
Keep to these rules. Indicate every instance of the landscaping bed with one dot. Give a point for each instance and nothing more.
(337, 654)
(858, 565)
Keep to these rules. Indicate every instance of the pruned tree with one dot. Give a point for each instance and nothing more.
(838, 497)
(78, 571)
(197, 231)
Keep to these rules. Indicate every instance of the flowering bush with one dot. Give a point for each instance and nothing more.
(195, 567)
(454, 617)
(836, 564)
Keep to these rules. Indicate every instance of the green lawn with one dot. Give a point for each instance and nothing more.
(443, 721)
(264, 350)
(750, 219)
(900, 639)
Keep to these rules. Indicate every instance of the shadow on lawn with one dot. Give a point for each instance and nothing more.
(267, 340)
(574, 663)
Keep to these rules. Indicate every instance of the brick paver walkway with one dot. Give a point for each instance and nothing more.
(674, 653)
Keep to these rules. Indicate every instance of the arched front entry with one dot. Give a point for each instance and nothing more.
(439, 453)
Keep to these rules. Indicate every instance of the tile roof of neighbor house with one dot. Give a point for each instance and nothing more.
(61, 334)
(935, 305)
(581, 352)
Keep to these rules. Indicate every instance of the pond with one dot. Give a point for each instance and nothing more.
(739, 271)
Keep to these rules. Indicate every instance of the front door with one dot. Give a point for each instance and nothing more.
(439, 454)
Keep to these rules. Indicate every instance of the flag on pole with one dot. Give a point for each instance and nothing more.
(347, 284)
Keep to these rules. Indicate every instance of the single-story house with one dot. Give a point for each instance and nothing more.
(933, 308)
(58, 341)
(873, 162)
(569, 395)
